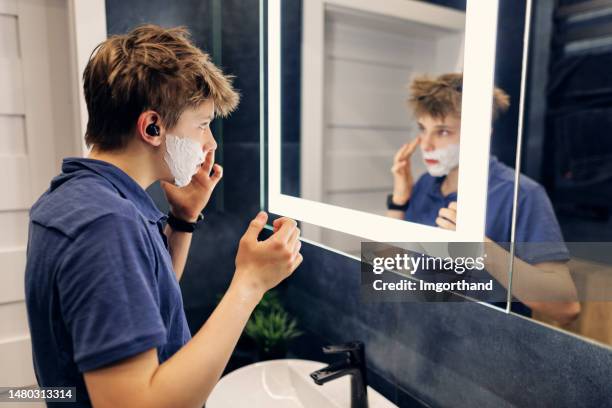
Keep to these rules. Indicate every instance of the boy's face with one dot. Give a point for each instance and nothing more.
(194, 123)
(437, 133)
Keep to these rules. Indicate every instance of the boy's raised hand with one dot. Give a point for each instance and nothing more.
(402, 173)
(261, 265)
(447, 217)
(186, 203)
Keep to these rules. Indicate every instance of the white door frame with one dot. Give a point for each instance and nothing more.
(54, 39)
(88, 29)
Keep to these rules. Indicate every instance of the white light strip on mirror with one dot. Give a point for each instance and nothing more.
(480, 41)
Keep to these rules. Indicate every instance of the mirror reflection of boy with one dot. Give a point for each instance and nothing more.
(541, 277)
(104, 304)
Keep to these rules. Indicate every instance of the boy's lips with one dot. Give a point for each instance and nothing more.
(431, 161)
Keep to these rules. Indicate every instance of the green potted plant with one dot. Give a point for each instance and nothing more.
(271, 328)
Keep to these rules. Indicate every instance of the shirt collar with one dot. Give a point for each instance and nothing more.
(436, 192)
(125, 185)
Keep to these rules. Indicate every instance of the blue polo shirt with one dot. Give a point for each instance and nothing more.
(99, 281)
(538, 235)
(536, 220)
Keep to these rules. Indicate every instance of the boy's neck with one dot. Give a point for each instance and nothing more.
(136, 164)
(451, 182)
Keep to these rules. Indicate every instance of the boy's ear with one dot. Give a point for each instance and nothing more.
(149, 128)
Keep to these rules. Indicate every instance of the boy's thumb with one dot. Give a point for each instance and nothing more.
(257, 224)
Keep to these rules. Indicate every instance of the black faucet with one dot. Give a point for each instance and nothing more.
(354, 365)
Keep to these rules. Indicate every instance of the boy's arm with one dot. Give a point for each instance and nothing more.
(545, 287)
(186, 203)
(178, 244)
(188, 377)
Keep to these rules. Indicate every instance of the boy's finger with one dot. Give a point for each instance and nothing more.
(399, 152)
(297, 246)
(209, 161)
(444, 223)
(448, 213)
(295, 235)
(285, 230)
(217, 173)
(410, 148)
(414, 145)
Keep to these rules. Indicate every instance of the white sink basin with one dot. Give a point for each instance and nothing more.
(285, 384)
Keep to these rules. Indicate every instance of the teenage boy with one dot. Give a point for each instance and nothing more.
(542, 281)
(104, 304)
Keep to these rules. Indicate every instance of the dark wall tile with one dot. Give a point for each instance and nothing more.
(241, 179)
(509, 56)
(240, 57)
(122, 16)
(290, 167)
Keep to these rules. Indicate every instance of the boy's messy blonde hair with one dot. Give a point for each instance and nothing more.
(149, 68)
(440, 97)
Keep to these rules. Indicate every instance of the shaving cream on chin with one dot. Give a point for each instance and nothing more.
(447, 157)
(183, 156)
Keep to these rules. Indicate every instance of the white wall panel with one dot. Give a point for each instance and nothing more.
(14, 226)
(11, 83)
(12, 135)
(16, 182)
(14, 320)
(9, 40)
(350, 172)
(16, 356)
(12, 267)
(366, 95)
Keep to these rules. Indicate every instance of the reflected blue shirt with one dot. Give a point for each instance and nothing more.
(536, 220)
(99, 281)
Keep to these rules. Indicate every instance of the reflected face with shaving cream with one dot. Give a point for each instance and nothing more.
(186, 145)
(439, 142)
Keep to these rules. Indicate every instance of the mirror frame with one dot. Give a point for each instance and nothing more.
(479, 68)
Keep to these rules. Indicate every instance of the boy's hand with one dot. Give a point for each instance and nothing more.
(261, 265)
(402, 173)
(186, 203)
(447, 217)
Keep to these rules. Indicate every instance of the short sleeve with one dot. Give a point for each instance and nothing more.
(107, 291)
(538, 234)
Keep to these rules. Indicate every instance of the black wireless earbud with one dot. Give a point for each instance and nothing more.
(152, 130)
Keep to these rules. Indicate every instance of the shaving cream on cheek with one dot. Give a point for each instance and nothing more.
(183, 156)
(447, 159)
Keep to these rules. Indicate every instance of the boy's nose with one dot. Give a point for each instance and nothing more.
(426, 143)
(209, 144)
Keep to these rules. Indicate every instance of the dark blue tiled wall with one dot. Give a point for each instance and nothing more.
(450, 354)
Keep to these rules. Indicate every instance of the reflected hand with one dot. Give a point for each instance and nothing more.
(402, 173)
(447, 217)
(187, 202)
